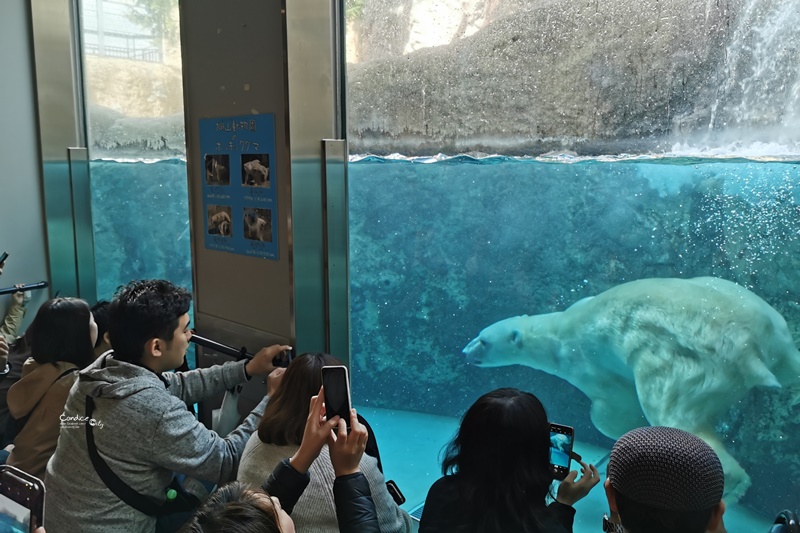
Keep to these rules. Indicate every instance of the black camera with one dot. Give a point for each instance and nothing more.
(786, 522)
(281, 360)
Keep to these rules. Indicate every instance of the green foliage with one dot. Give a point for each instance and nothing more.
(353, 9)
(155, 15)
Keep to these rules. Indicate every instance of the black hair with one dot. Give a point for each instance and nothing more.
(501, 459)
(100, 313)
(60, 332)
(144, 310)
(640, 518)
(233, 508)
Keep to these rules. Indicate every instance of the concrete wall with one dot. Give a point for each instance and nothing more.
(22, 231)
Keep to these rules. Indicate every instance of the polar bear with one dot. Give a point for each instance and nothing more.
(255, 174)
(664, 352)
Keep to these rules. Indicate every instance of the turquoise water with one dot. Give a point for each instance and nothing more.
(140, 215)
(442, 248)
(409, 443)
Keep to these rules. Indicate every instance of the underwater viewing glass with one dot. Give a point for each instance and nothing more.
(527, 179)
(514, 164)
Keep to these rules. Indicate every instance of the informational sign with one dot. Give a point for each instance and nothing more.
(239, 185)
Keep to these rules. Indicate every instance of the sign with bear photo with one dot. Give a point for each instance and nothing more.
(239, 186)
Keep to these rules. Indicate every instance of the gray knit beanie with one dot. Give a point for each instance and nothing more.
(666, 468)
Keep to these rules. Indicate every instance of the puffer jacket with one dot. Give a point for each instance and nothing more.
(355, 509)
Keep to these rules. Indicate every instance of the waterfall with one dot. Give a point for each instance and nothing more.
(761, 72)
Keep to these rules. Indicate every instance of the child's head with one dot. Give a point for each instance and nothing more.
(233, 508)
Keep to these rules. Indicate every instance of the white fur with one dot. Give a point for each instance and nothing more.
(255, 174)
(669, 352)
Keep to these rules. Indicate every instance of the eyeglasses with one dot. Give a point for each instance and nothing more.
(610, 526)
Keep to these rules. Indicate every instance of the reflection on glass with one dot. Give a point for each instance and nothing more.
(461, 244)
(133, 82)
(133, 85)
(525, 78)
(649, 141)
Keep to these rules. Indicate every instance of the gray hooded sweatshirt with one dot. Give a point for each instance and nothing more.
(145, 433)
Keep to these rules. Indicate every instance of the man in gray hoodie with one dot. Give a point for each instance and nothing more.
(140, 424)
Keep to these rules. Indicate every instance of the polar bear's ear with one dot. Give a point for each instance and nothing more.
(516, 338)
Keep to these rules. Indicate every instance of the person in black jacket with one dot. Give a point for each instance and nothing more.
(237, 509)
(497, 473)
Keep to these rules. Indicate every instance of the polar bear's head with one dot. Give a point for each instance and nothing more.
(520, 340)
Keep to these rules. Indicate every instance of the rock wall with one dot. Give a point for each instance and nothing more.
(591, 77)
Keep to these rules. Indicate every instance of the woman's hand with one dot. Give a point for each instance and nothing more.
(261, 363)
(348, 449)
(315, 434)
(570, 491)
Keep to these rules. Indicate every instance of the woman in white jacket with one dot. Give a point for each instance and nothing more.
(279, 436)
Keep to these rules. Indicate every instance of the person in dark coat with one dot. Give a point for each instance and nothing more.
(235, 508)
(497, 473)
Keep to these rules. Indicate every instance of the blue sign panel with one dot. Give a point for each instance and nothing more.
(240, 185)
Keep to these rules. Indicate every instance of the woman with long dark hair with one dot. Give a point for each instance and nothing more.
(279, 436)
(497, 474)
(61, 338)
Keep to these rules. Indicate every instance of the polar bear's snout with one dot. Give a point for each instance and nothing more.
(474, 351)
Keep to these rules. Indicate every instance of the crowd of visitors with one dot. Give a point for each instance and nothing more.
(91, 404)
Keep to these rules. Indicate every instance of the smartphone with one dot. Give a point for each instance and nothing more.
(3, 257)
(394, 490)
(561, 441)
(21, 500)
(337, 392)
(284, 359)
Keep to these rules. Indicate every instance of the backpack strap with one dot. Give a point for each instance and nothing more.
(121, 490)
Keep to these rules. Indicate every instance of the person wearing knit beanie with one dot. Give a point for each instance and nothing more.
(665, 480)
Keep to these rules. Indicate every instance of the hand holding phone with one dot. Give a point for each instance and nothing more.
(336, 383)
(283, 359)
(562, 439)
(346, 444)
(21, 500)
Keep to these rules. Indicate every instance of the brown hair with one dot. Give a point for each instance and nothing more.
(285, 416)
(235, 508)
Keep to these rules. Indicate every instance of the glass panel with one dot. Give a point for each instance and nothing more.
(637, 143)
(134, 107)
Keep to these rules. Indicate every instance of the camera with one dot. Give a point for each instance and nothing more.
(786, 522)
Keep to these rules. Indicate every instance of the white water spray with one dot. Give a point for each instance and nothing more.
(762, 71)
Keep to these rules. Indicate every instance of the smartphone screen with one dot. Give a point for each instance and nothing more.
(337, 392)
(561, 441)
(21, 501)
(3, 257)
